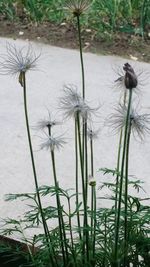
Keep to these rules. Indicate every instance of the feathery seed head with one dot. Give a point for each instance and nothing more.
(77, 7)
(92, 134)
(73, 104)
(47, 123)
(140, 124)
(53, 143)
(18, 60)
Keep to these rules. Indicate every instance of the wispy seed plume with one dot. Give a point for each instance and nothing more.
(18, 60)
(72, 104)
(53, 143)
(77, 7)
(140, 123)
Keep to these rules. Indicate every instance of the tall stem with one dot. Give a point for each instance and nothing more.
(117, 176)
(126, 196)
(81, 55)
(121, 180)
(92, 161)
(77, 185)
(118, 162)
(59, 209)
(93, 204)
(94, 232)
(34, 169)
(85, 222)
(92, 188)
(81, 159)
(60, 215)
(86, 193)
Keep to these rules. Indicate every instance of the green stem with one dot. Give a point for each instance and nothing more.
(126, 196)
(93, 205)
(71, 233)
(60, 216)
(94, 232)
(121, 180)
(92, 161)
(81, 159)
(81, 55)
(59, 209)
(85, 223)
(34, 169)
(70, 224)
(117, 176)
(86, 191)
(77, 185)
(92, 189)
(105, 239)
(86, 162)
(118, 163)
(92, 211)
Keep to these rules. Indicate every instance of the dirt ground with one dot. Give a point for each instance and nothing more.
(64, 35)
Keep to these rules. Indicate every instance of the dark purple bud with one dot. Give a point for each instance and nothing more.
(130, 77)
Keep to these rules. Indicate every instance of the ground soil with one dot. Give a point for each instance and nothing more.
(65, 35)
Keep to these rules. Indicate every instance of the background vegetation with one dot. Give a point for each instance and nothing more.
(132, 16)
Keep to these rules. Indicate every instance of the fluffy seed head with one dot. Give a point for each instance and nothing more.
(73, 104)
(18, 60)
(77, 7)
(53, 143)
(92, 134)
(47, 123)
(140, 124)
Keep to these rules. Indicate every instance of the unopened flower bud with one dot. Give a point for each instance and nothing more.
(130, 77)
(92, 181)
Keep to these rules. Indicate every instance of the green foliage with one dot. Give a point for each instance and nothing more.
(7, 9)
(39, 10)
(138, 231)
(103, 16)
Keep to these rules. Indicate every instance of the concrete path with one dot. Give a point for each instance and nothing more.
(57, 67)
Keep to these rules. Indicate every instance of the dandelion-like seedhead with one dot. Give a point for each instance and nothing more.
(71, 92)
(140, 123)
(73, 104)
(92, 134)
(47, 123)
(53, 143)
(77, 7)
(18, 60)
